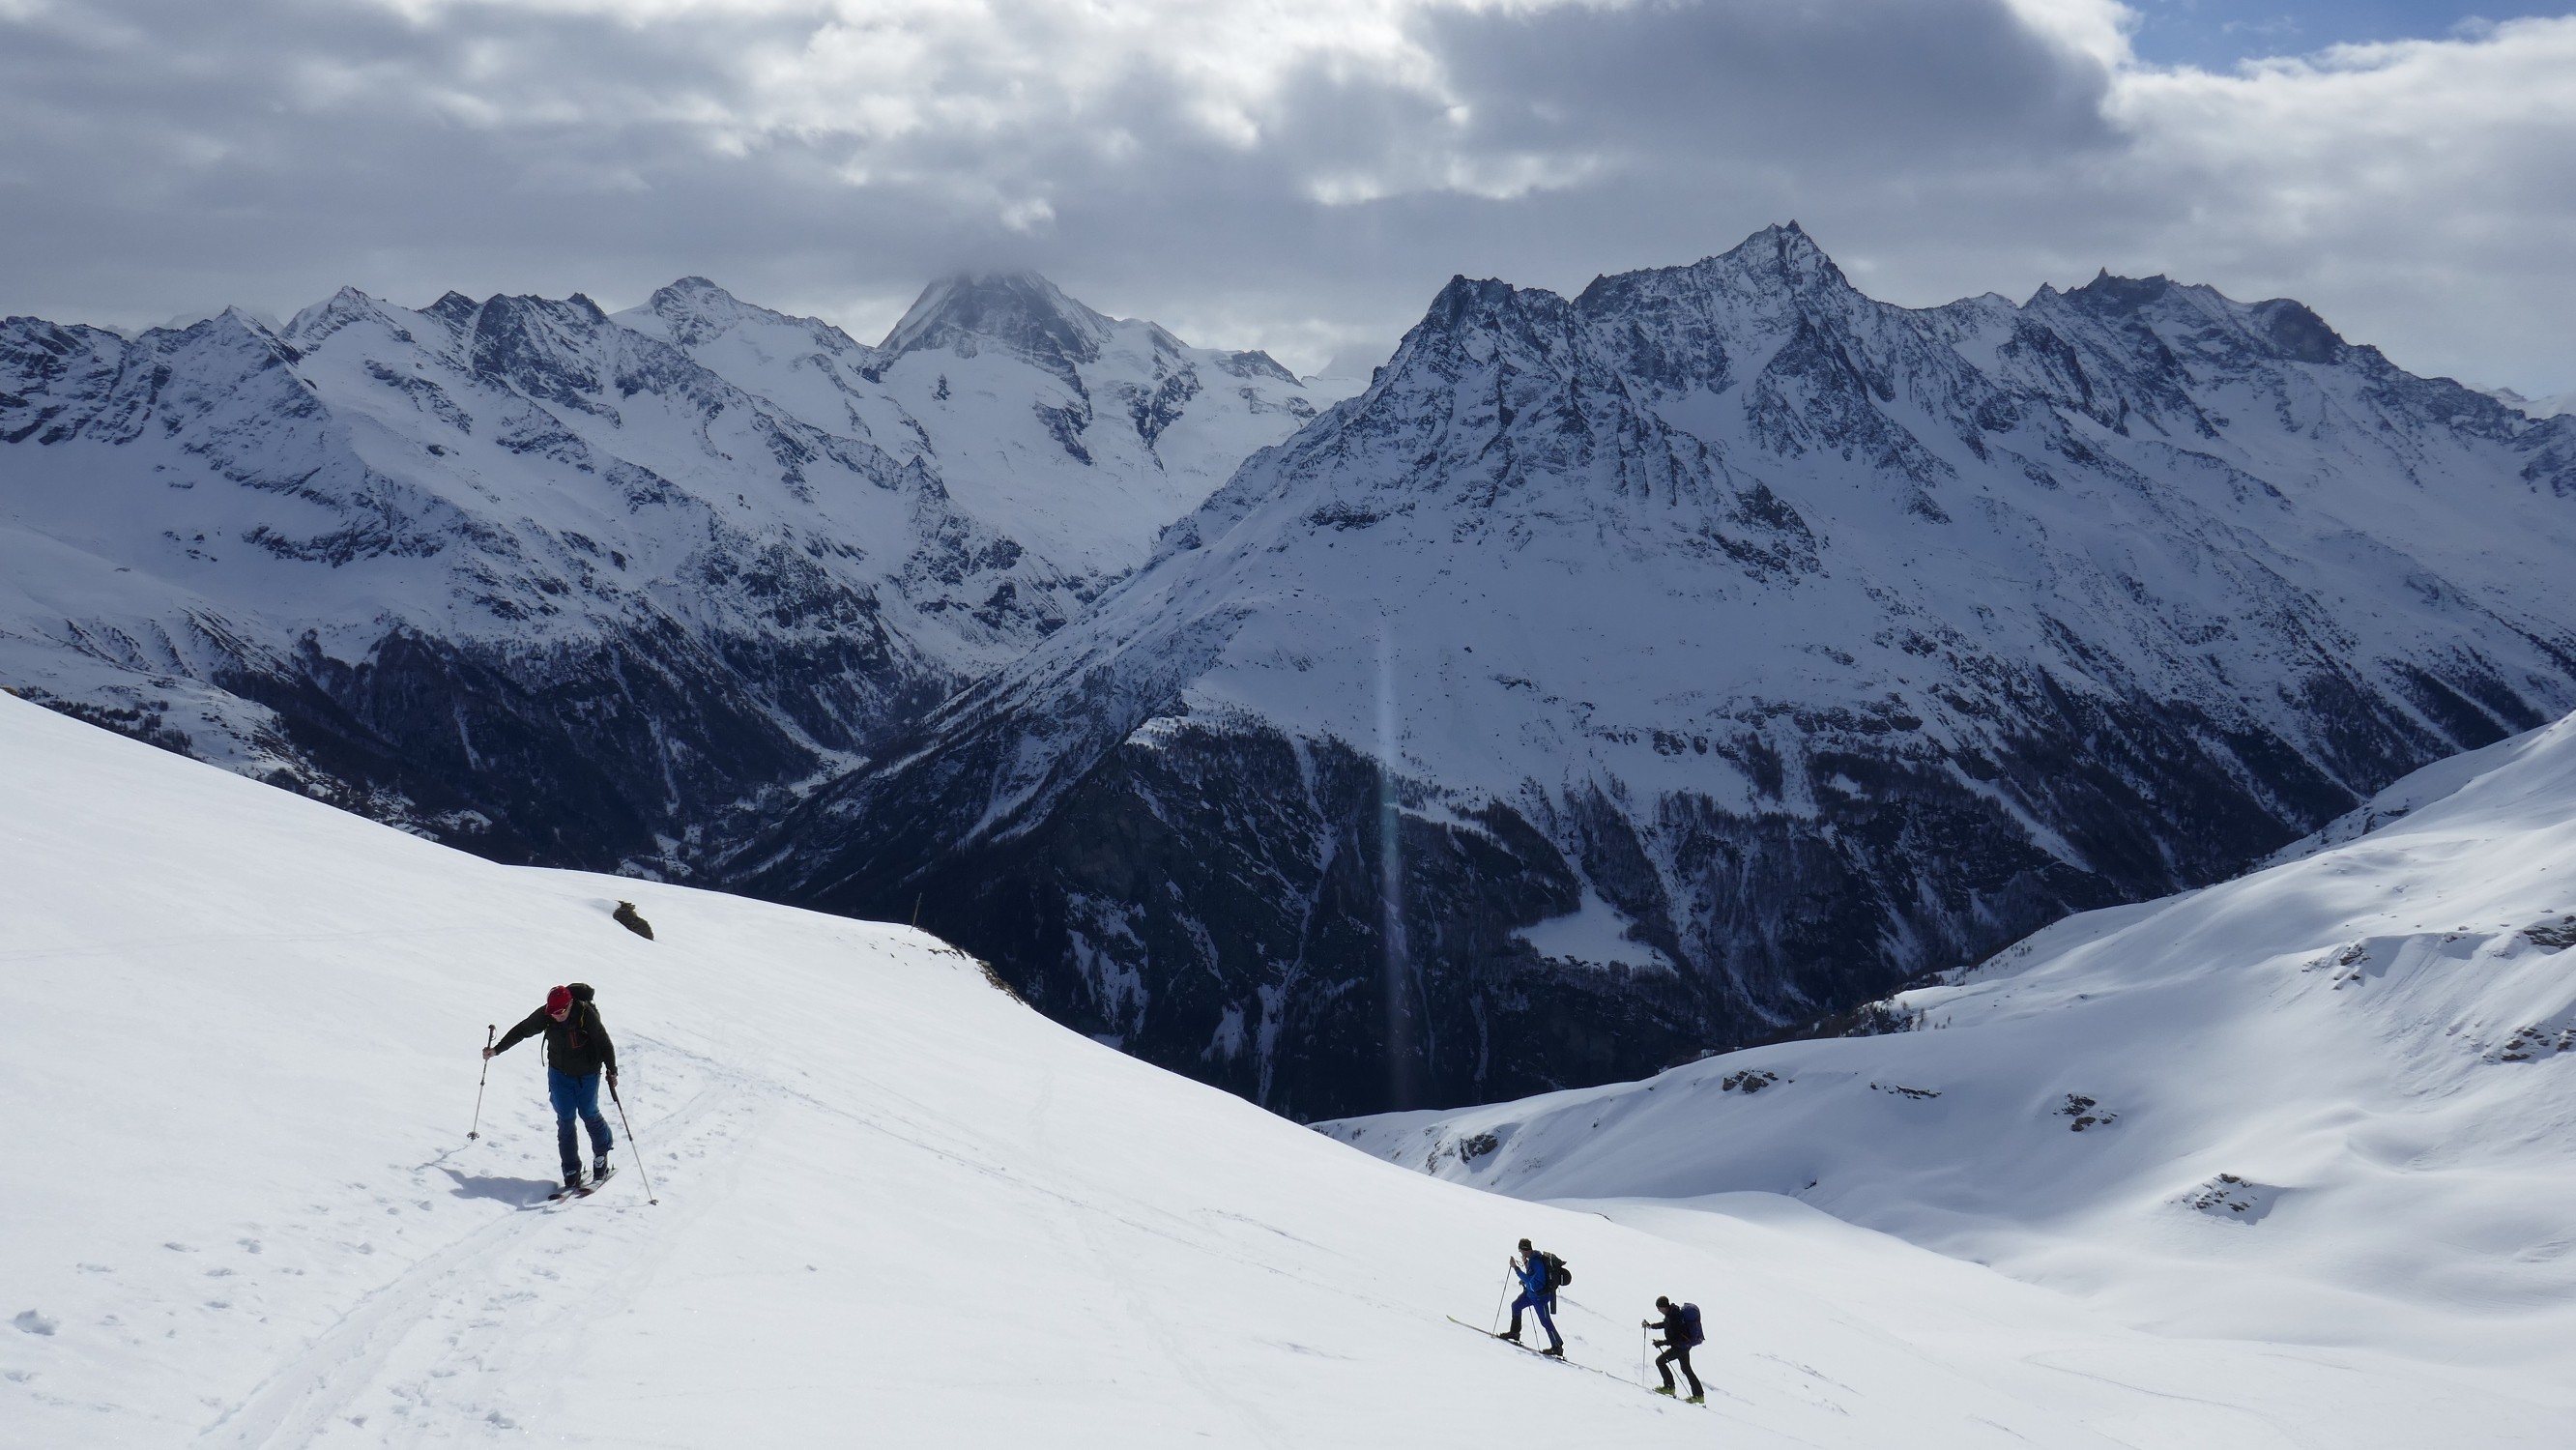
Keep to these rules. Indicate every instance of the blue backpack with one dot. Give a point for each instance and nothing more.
(1690, 1320)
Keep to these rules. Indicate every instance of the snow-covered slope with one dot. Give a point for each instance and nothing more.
(237, 1061)
(1079, 435)
(2333, 1101)
(1625, 675)
(543, 584)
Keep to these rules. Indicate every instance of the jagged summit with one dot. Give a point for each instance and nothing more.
(453, 306)
(1781, 257)
(694, 310)
(1080, 435)
(1018, 310)
(2291, 329)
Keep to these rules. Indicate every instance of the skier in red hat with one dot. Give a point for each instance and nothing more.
(577, 1052)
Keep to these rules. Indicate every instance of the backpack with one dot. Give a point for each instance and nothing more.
(1558, 1275)
(1690, 1320)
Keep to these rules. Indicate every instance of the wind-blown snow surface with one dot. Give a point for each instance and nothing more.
(2333, 1101)
(1808, 642)
(237, 1035)
(568, 588)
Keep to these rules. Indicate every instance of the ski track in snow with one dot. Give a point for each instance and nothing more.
(417, 1355)
(1174, 1347)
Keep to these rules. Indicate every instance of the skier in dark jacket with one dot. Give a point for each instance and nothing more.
(1538, 1294)
(1676, 1343)
(577, 1052)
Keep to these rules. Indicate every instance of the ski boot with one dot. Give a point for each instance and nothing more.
(599, 1172)
(1694, 1400)
(1554, 1351)
(1663, 1389)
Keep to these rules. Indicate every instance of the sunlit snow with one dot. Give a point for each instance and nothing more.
(2323, 1105)
(237, 1062)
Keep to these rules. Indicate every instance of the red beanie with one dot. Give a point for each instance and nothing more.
(558, 999)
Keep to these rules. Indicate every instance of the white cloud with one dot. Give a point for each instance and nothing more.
(2422, 193)
(1293, 173)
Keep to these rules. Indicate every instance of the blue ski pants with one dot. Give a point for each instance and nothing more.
(576, 1097)
(1530, 1301)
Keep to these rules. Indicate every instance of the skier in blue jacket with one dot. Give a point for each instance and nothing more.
(1538, 1294)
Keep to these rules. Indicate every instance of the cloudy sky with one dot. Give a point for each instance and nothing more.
(1296, 174)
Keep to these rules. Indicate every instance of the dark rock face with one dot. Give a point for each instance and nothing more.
(1796, 643)
(1221, 901)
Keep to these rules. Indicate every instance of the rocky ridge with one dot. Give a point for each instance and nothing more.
(1624, 675)
(514, 573)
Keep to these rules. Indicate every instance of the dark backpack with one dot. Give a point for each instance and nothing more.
(1558, 1275)
(1690, 1322)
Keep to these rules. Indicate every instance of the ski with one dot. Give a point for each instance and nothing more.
(563, 1195)
(1508, 1340)
(1569, 1364)
(1516, 1344)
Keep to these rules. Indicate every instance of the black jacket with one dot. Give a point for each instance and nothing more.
(577, 1045)
(1676, 1330)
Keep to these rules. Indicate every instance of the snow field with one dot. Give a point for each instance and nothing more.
(2325, 1104)
(237, 1055)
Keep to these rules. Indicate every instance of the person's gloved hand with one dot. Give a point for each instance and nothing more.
(487, 1054)
(612, 1079)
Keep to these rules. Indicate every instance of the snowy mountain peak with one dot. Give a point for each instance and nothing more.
(1255, 363)
(1753, 625)
(693, 310)
(568, 586)
(549, 349)
(453, 308)
(2549, 407)
(1785, 252)
(1020, 311)
(310, 327)
(1782, 262)
(2283, 328)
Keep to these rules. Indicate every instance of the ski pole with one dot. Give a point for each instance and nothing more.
(1644, 1351)
(477, 1130)
(631, 1146)
(1499, 1298)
